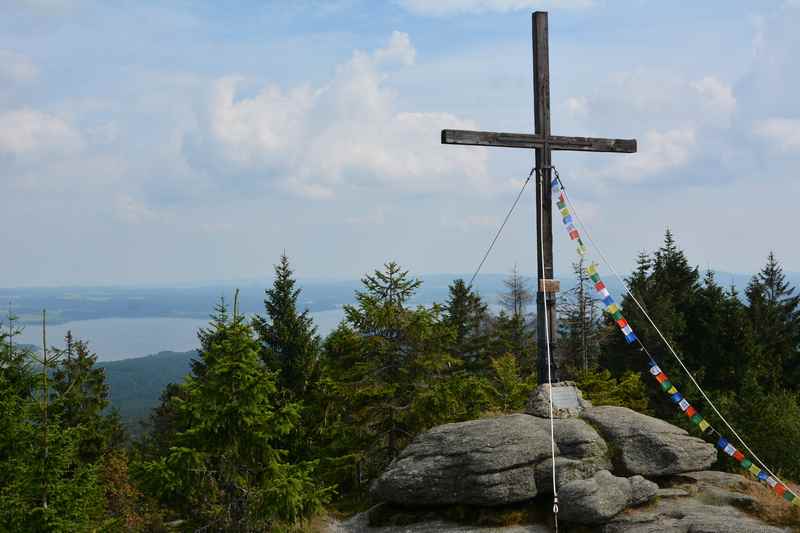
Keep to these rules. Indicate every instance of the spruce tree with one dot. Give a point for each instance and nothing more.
(289, 341)
(466, 313)
(513, 329)
(81, 396)
(225, 471)
(390, 369)
(579, 325)
(775, 313)
(518, 294)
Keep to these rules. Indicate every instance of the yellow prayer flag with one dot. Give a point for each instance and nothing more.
(613, 308)
(703, 425)
(754, 470)
(672, 390)
(592, 269)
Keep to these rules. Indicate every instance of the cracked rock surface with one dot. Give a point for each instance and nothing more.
(617, 471)
(648, 446)
(491, 461)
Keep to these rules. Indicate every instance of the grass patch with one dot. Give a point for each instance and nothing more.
(772, 508)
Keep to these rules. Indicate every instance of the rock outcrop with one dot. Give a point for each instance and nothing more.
(603, 458)
(490, 461)
(604, 496)
(648, 446)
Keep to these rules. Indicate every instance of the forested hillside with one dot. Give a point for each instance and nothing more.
(274, 424)
(136, 384)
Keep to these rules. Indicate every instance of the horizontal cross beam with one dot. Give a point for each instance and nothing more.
(527, 140)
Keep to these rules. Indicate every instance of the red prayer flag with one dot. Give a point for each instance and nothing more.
(599, 286)
(573, 234)
(661, 377)
(780, 489)
(691, 411)
(622, 323)
(738, 456)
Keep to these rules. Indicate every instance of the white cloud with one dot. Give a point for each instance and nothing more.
(784, 132)
(32, 133)
(398, 50)
(347, 133)
(449, 7)
(16, 68)
(717, 95)
(659, 151)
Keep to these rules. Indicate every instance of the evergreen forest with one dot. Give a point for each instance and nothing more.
(276, 427)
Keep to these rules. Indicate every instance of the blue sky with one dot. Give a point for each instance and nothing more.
(159, 142)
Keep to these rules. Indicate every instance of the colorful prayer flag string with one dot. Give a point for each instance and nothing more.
(566, 217)
(666, 385)
(723, 444)
(608, 301)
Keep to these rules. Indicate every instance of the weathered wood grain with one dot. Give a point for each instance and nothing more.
(531, 141)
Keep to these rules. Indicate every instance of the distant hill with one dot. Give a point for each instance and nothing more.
(136, 384)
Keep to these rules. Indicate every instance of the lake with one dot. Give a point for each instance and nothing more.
(122, 338)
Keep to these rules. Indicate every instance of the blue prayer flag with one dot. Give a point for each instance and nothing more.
(568, 219)
(608, 300)
(763, 476)
(631, 338)
(723, 442)
(677, 397)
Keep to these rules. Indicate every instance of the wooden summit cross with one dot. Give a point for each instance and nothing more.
(543, 142)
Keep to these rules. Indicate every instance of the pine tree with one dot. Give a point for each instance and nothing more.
(225, 470)
(391, 372)
(45, 485)
(579, 325)
(466, 313)
(513, 329)
(775, 313)
(14, 360)
(290, 344)
(518, 294)
(667, 287)
(81, 396)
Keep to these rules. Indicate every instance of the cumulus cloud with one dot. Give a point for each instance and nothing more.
(783, 132)
(449, 7)
(16, 68)
(717, 95)
(32, 133)
(661, 151)
(348, 132)
(676, 120)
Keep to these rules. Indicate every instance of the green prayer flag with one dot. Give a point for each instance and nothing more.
(788, 496)
(746, 464)
(617, 315)
(595, 277)
(666, 386)
(696, 419)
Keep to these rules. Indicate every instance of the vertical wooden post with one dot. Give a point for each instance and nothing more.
(544, 220)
